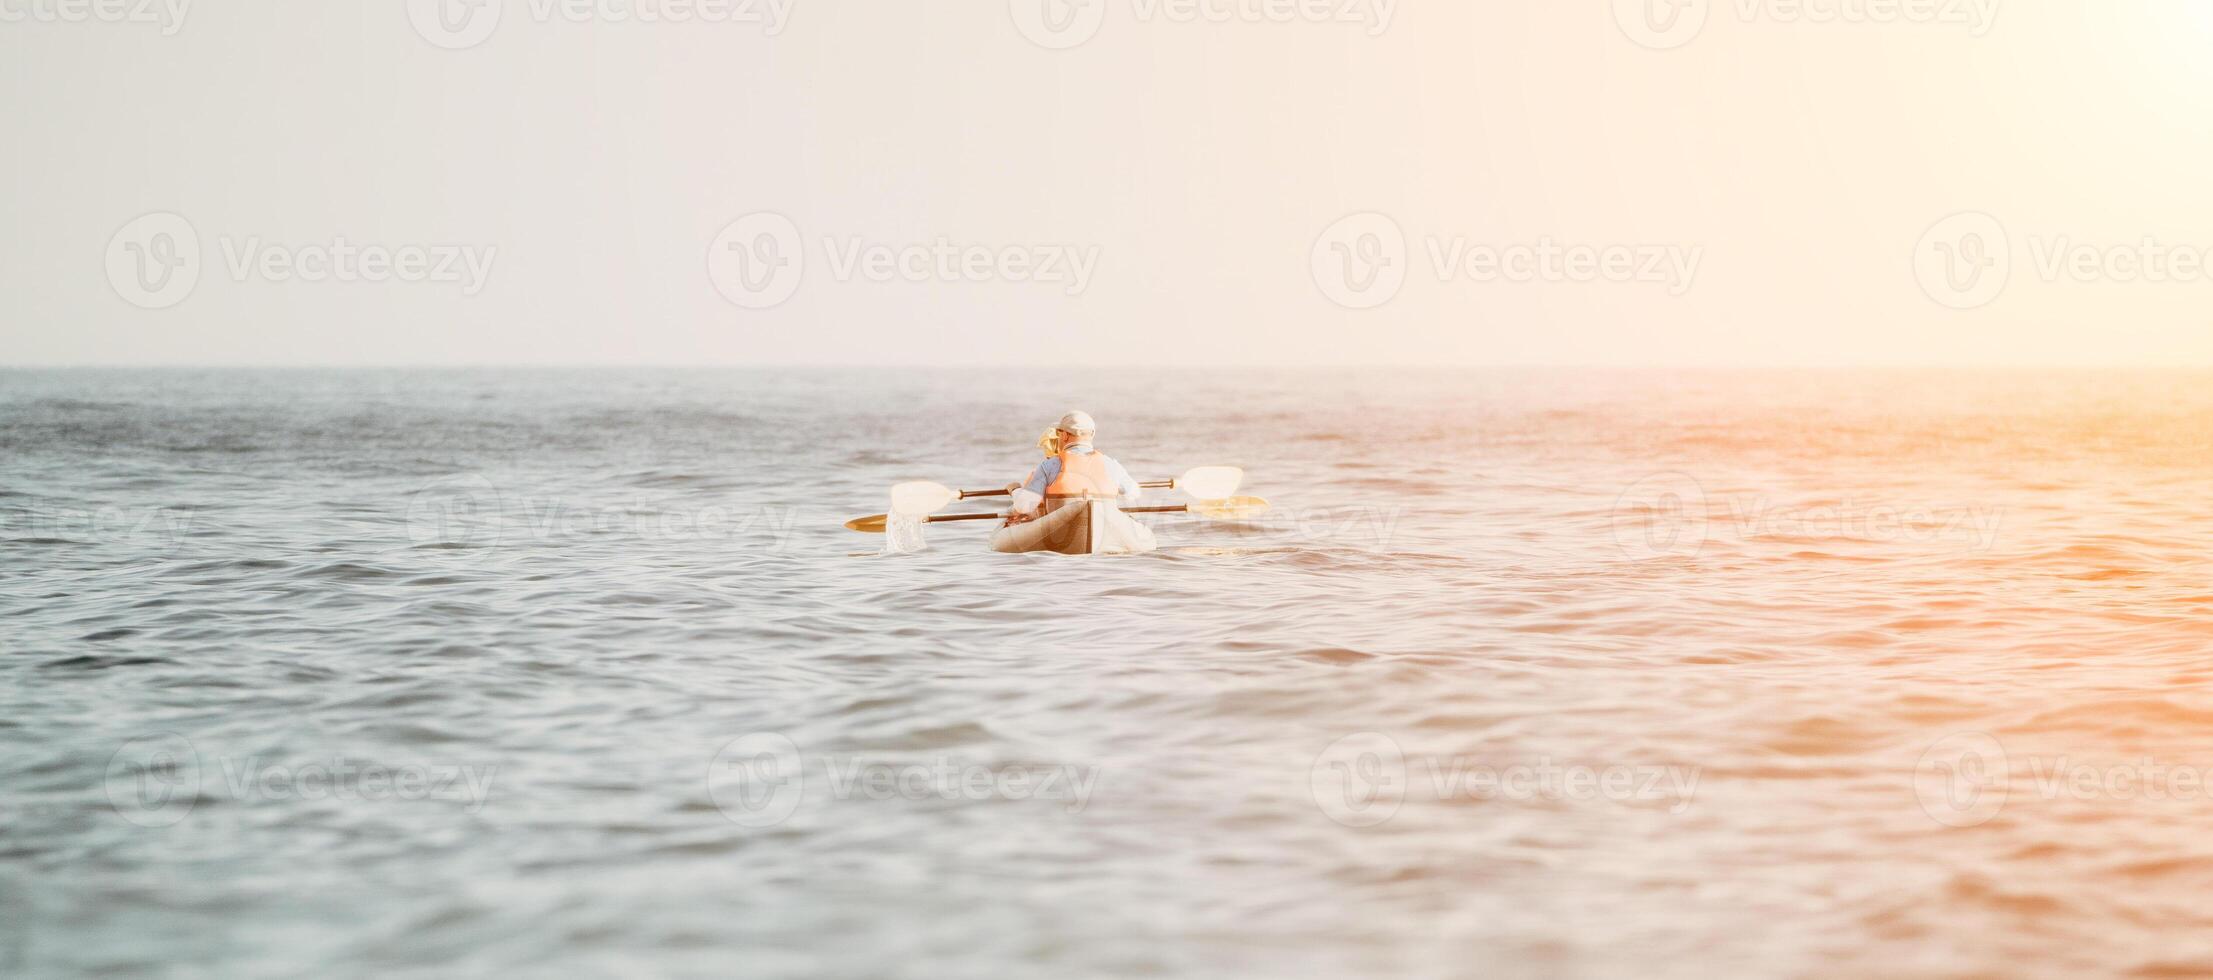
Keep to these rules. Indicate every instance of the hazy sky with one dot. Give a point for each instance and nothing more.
(1736, 182)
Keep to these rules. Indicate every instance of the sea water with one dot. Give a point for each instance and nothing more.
(1528, 673)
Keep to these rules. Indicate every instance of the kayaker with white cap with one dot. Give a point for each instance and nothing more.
(1078, 470)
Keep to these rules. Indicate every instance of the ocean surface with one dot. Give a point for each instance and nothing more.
(1529, 673)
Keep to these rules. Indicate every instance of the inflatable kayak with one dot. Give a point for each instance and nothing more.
(1082, 527)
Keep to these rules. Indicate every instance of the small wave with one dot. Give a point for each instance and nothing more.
(350, 571)
(1336, 655)
(657, 478)
(1821, 735)
(941, 737)
(2124, 715)
(91, 662)
(231, 565)
(75, 405)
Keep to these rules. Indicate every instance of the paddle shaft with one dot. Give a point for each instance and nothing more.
(1177, 509)
(1149, 485)
(1235, 508)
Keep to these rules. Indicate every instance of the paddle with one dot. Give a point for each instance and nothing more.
(921, 497)
(1204, 482)
(1233, 509)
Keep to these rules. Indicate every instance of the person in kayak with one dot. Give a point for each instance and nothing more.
(1077, 470)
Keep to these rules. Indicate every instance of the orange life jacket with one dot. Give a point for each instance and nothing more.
(1082, 474)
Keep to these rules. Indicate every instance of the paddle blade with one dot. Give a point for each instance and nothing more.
(872, 524)
(1233, 509)
(1211, 482)
(921, 497)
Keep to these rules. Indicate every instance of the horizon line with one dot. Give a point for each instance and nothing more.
(1112, 366)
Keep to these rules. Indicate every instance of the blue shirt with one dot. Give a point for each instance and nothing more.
(1049, 471)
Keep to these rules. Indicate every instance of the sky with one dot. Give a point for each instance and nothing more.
(1126, 182)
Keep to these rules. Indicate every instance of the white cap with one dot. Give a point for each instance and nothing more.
(1079, 423)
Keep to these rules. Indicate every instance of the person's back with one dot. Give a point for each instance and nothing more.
(1079, 471)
